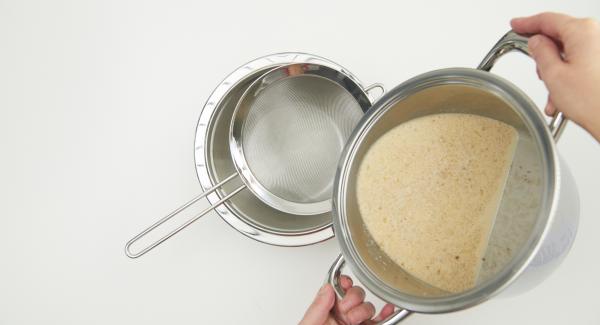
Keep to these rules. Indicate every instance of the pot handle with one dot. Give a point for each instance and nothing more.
(147, 248)
(512, 41)
(333, 278)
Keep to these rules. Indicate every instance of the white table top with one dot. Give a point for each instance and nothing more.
(98, 107)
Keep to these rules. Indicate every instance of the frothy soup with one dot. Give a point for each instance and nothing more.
(429, 189)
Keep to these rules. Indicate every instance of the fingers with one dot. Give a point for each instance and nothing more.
(548, 23)
(550, 109)
(547, 56)
(352, 309)
(385, 312)
(361, 313)
(346, 282)
(318, 311)
(354, 297)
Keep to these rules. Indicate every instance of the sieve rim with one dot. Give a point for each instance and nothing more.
(206, 165)
(338, 78)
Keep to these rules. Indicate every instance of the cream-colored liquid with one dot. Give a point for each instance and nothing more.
(429, 189)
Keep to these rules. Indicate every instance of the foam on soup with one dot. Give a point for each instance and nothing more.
(428, 191)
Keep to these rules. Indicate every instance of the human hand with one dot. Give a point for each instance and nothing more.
(351, 310)
(566, 51)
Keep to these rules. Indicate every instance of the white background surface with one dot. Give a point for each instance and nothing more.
(98, 107)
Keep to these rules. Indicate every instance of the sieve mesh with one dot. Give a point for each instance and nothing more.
(294, 133)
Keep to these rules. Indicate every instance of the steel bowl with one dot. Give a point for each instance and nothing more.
(214, 163)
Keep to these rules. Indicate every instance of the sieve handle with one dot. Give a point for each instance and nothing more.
(375, 86)
(146, 249)
(512, 41)
(333, 278)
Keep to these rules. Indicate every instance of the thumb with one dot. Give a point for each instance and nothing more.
(546, 54)
(318, 312)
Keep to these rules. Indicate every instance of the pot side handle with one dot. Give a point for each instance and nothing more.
(333, 278)
(512, 41)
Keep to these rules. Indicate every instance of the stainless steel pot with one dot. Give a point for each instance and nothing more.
(528, 211)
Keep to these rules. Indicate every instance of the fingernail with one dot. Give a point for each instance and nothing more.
(515, 20)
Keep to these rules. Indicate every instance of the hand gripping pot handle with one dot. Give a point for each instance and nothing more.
(333, 278)
(512, 41)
